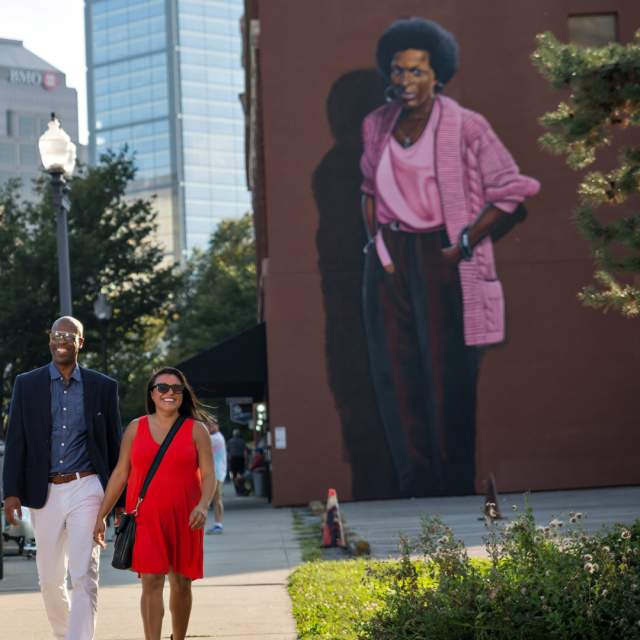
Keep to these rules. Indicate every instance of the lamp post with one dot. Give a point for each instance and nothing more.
(58, 155)
(103, 310)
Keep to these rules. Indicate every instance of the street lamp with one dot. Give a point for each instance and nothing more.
(58, 155)
(103, 310)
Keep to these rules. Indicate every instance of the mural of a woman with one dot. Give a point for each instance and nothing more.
(436, 182)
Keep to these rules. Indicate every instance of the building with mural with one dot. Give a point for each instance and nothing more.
(553, 402)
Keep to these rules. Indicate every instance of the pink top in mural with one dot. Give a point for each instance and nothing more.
(406, 181)
(473, 169)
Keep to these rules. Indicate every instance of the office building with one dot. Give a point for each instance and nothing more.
(164, 78)
(30, 89)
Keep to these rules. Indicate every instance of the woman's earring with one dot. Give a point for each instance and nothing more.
(439, 86)
(390, 93)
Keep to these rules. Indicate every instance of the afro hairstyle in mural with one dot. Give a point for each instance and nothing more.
(425, 35)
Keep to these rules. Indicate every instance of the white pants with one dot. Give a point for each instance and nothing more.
(64, 540)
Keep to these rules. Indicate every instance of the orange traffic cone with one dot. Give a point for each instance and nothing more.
(332, 530)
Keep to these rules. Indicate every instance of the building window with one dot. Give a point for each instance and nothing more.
(593, 29)
(7, 153)
(27, 127)
(28, 155)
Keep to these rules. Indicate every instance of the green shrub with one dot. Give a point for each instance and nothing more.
(538, 584)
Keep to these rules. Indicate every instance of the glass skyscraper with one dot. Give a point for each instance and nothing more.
(164, 78)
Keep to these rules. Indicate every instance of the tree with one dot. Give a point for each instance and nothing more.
(219, 298)
(604, 100)
(111, 251)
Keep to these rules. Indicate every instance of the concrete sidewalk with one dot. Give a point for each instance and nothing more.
(380, 522)
(243, 595)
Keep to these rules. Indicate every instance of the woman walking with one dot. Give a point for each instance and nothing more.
(170, 520)
(437, 182)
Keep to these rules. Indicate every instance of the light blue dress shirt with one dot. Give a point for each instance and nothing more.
(69, 452)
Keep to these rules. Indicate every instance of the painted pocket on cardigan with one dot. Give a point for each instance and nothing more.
(484, 259)
(493, 304)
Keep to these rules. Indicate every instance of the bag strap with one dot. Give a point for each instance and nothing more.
(158, 459)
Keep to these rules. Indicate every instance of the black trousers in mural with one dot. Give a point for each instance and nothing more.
(423, 373)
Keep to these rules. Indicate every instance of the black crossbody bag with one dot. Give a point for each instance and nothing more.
(126, 530)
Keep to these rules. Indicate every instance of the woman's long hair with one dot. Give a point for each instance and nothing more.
(190, 407)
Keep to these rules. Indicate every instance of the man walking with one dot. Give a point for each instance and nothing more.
(237, 455)
(62, 444)
(237, 450)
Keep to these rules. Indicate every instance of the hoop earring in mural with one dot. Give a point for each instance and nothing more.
(390, 93)
(439, 87)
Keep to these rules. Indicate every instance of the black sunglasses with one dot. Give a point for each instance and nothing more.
(163, 387)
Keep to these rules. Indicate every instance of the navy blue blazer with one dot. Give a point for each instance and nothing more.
(28, 443)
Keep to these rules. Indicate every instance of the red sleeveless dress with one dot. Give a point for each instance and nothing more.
(164, 539)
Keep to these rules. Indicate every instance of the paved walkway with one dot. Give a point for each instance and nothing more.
(242, 597)
(381, 521)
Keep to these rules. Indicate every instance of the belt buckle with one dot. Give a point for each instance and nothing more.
(394, 225)
(62, 478)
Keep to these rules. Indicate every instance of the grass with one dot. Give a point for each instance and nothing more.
(308, 534)
(330, 599)
(333, 600)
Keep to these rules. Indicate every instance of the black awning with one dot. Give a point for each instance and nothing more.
(235, 367)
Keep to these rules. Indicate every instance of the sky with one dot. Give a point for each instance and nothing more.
(54, 31)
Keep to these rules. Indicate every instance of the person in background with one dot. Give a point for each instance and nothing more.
(237, 450)
(220, 463)
(258, 460)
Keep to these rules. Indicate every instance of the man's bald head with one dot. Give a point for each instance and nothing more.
(68, 323)
(65, 341)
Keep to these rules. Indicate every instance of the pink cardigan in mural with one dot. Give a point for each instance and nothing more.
(474, 170)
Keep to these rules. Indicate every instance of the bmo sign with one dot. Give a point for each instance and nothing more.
(46, 79)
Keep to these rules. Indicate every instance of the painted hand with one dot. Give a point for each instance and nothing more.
(452, 255)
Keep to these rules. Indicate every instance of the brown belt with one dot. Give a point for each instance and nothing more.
(61, 478)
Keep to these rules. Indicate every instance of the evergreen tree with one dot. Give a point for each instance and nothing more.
(112, 251)
(603, 101)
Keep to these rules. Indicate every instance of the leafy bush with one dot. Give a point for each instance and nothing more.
(537, 583)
